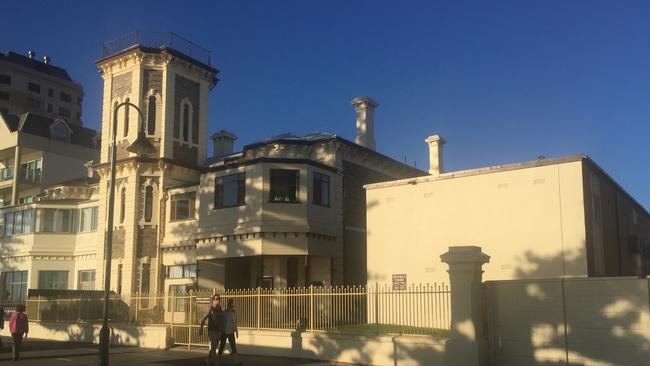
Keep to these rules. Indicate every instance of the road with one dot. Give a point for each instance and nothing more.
(50, 353)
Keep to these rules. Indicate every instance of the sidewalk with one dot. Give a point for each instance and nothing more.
(50, 353)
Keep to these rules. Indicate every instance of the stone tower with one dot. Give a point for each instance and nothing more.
(171, 89)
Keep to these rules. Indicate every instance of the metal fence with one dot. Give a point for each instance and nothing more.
(157, 39)
(374, 309)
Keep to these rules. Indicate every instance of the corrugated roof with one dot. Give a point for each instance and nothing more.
(34, 64)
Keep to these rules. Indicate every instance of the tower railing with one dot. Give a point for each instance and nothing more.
(157, 39)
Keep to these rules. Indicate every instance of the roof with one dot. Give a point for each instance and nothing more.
(479, 171)
(39, 125)
(35, 64)
(290, 138)
(77, 182)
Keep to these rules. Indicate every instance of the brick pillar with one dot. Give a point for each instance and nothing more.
(467, 344)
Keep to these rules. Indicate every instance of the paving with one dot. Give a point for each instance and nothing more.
(50, 353)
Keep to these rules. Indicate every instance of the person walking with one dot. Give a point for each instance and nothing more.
(215, 327)
(2, 323)
(230, 331)
(19, 327)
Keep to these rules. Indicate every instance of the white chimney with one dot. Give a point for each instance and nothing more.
(365, 107)
(435, 154)
(223, 143)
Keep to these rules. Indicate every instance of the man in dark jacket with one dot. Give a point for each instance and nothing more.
(215, 326)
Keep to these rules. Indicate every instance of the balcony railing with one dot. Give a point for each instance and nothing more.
(157, 39)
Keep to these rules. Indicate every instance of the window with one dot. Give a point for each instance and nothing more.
(186, 122)
(179, 304)
(7, 173)
(119, 278)
(86, 280)
(5, 79)
(284, 185)
(49, 107)
(33, 103)
(126, 118)
(182, 271)
(34, 88)
(122, 204)
(146, 278)
(182, 206)
(88, 219)
(230, 191)
(65, 97)
(50, 92)
(57, 220)
(19, 222)
(25, 200)
(31, 171)
(59, 131)
(53, 280)
(148, 203)
(65, 112)
(4, 95)
(321, 189)
(151, 116)
(15, 287)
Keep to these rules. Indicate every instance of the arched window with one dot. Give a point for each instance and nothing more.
(186, 122)
(126, 118)
(148, 203)
(122, 205)
(151, 116)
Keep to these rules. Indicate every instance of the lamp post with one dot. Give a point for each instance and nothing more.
(140, 146)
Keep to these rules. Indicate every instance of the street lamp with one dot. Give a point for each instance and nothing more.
(140, 146)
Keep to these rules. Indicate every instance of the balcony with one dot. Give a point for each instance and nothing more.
(155, 39)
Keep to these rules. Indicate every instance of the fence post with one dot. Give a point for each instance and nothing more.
(259, 307)
(173, 307)
(189, 323)
(311, 307)
(467, 343)
(38, 308)
(137, 305)
(377, 307)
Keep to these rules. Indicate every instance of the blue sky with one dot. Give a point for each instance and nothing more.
(502, 81)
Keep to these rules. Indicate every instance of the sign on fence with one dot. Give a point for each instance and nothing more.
(203, 300)
(399, 282)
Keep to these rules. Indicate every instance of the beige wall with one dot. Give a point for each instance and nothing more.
(594, 321)
(530, 221)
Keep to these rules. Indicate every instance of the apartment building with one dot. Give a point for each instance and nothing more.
(30, 85)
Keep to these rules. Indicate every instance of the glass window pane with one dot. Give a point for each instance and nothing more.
(53, 280)
(175, 271)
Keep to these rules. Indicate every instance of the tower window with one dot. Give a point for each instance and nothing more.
(151, 116)
(186, 122)
(122, 205)
(148, 203)
(126, 118)
(65, 97)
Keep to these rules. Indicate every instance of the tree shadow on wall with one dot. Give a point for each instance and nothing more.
(569, 321)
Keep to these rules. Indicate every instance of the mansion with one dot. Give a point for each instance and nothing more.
(283, 212)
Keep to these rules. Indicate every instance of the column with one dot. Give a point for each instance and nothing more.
(467, 344)
(16, 180)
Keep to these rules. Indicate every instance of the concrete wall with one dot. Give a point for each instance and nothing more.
(530, 221)
(148, 336)
(357, 349)
(595, 321)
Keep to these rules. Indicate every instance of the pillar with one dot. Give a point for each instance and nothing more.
(467, 344)
(16, 181)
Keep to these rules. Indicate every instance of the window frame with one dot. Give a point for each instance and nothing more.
(40, 280)
(318, 180)
(220, 188)
(175, 198)
(272, 185)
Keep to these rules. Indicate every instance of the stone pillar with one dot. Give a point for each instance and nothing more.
(467, 345)
(16, 181)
